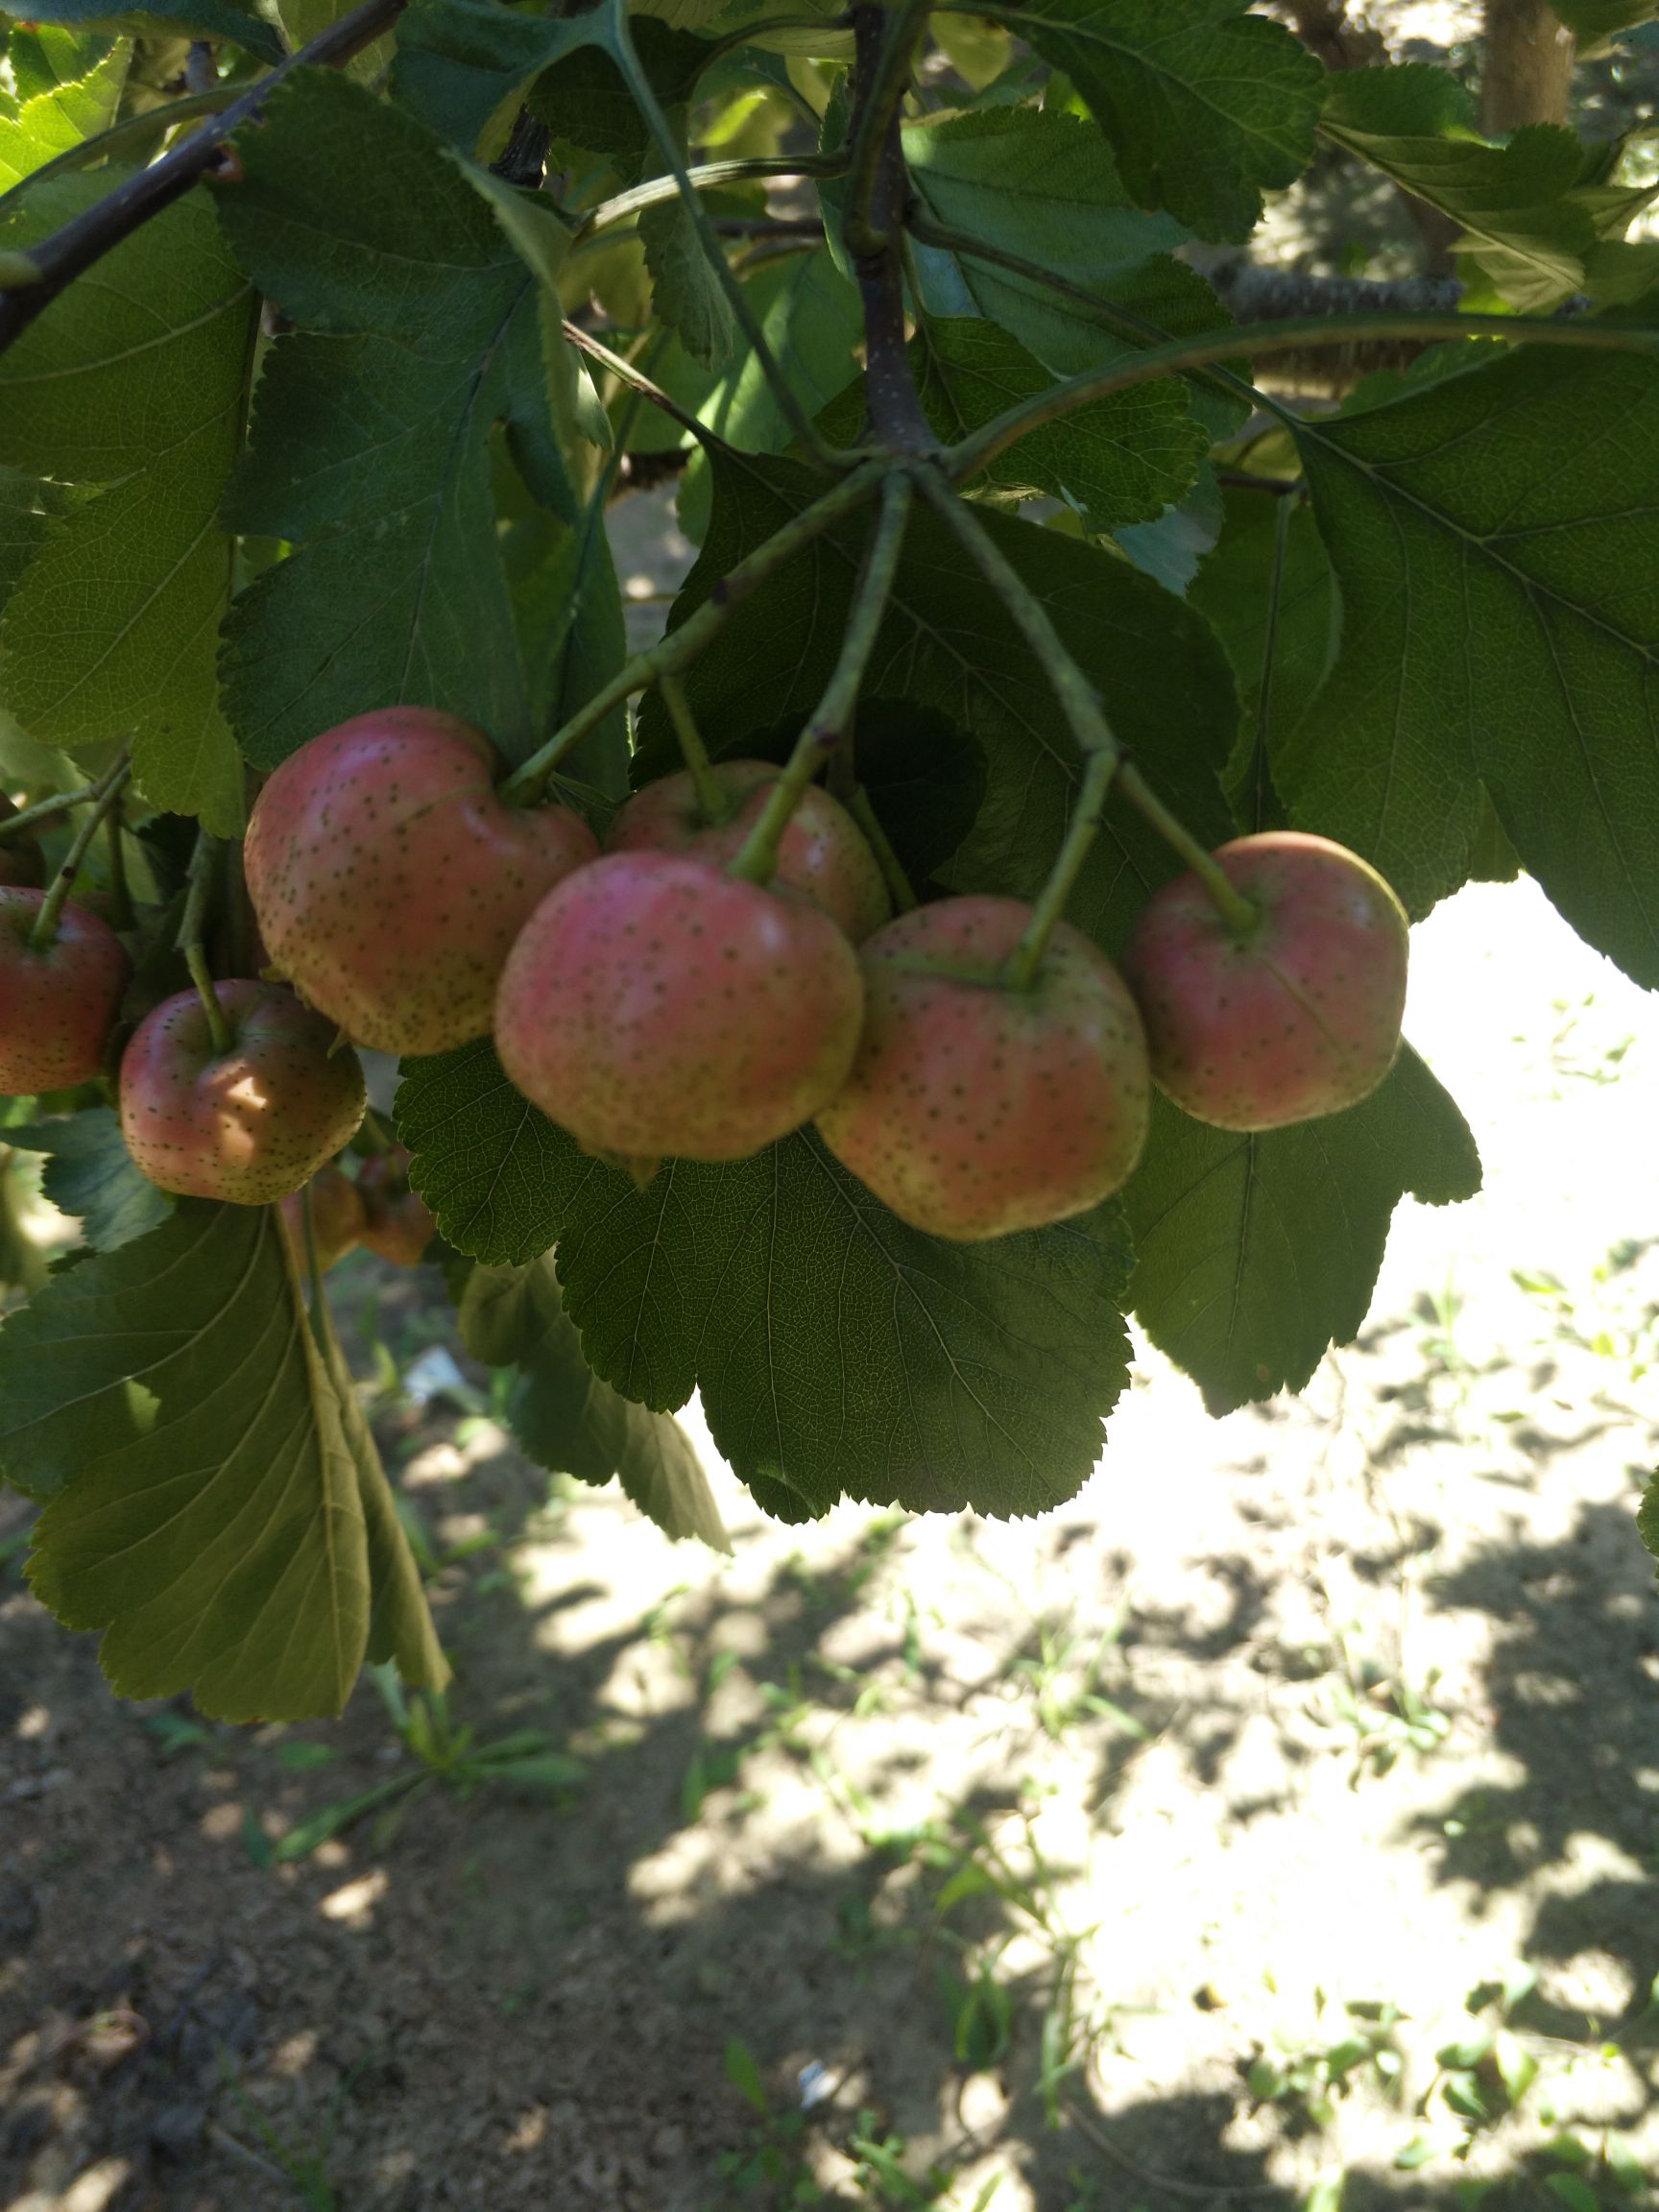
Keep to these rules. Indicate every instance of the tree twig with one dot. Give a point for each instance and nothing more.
(876, 193)
(84, 239)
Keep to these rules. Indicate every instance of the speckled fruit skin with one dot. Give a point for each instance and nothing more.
(823, 852)
(248, 1126)
(398, 1223)
(390, 880)
(974, 1110)
(655, 1006)
(57, 1008)
(1302, 1018)
(21, 859)
(337, 1218)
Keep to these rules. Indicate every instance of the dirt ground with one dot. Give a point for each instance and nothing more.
(1275, 1824)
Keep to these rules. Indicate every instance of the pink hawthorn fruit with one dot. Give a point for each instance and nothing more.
(976, 1108)
(398, 1223)
(1297, 1018)
(247, 1125)
(655, 1005)
(337, 1216)
(823, 852)
(390, 880)
(58, 1005)
(21, 859)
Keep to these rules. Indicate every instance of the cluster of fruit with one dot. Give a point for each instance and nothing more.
(981, 1070)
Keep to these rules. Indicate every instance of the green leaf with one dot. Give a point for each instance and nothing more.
(1525, 225)
(167, 1399)
(684, 289)
(587, 106)
(836, 1350)
(135, 383)
(490, 1167)
(1591, 19)
(59, 115)
(369, 450)
(1206, 106)
(196, 18)
(1123, 459)
(1499, 624)
(567, 609)
(570, 1422)
(948, 646)
(461, 61)
(91, 1174)
(1042, 185)
(1255, 1253)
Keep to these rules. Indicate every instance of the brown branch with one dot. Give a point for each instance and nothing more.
(71, 251)
(876, 240)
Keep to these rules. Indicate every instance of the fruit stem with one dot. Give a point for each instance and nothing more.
(1077, 698)
(830, 719)
(1235, 910)
(679, 647)
(191, 945)
(122, 915)
(710, 796)
(43, 809)
(103, 795)
(858, 805)
(1076, 695)
(1019, 971)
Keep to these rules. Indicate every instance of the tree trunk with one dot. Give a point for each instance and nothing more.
(1525, 68)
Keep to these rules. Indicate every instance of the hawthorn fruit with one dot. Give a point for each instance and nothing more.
(338, 1217)
(823, 852)
(398, 1224)
(976, 1107)
(655, 1005)
(1298, 1016)
(246, 1125)
(58, 1002)
(390, 880)
(21, 859)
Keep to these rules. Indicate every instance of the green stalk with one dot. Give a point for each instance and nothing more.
(105, 793)
(627, 61)
(878, 106)
(1181, 354)
(858, 805)
(1078, 701)
(635, 379)
(191, 932)
(120, 896)
(1260, 773)
(1021, 969)
(43, 809)
(711, 795)
(1077, 697)
(679, 648)
(1234, 908)
(706, 177)
(829, 720)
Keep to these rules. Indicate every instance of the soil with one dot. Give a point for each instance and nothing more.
(1143, 1856)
